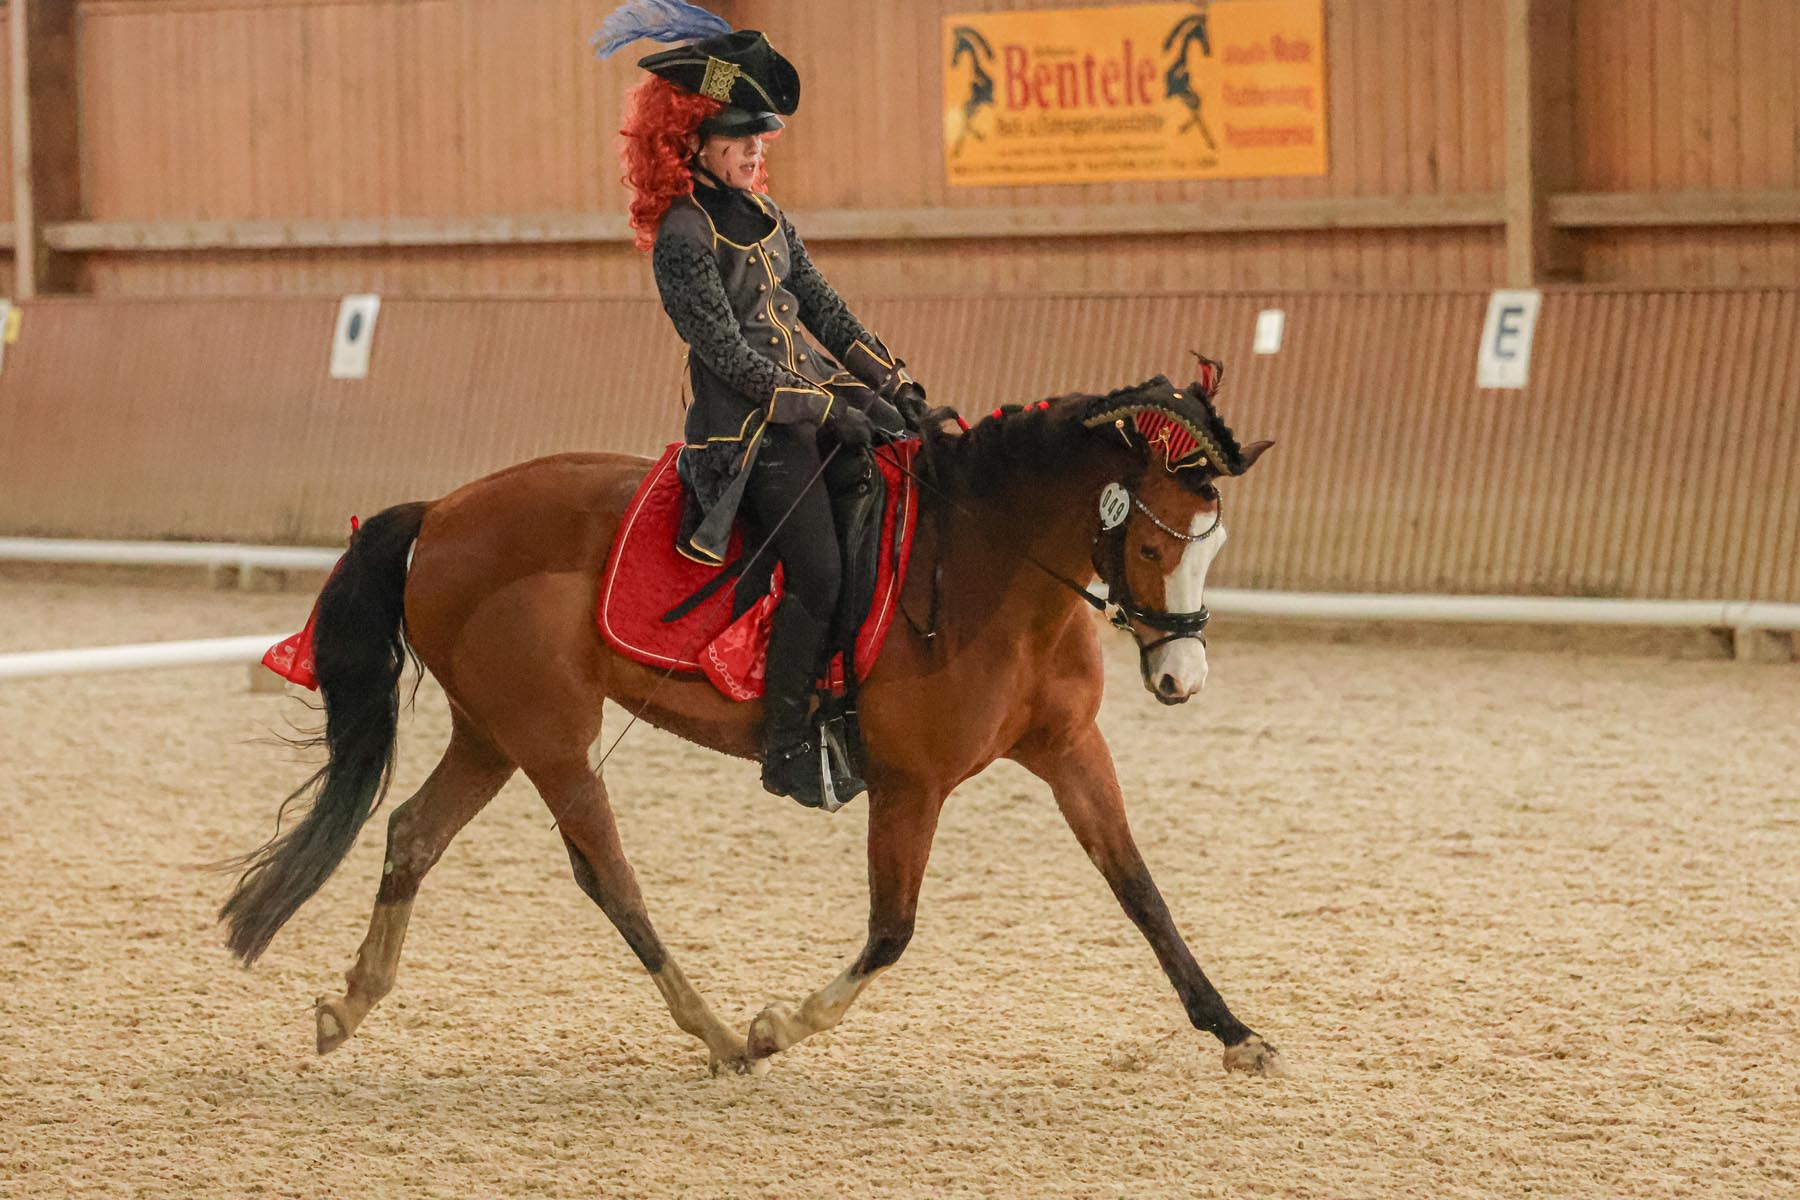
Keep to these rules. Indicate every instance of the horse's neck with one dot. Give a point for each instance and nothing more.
(1049, 515)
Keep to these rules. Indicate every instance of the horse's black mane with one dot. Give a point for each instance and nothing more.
(1043, 437)
(1013, 439)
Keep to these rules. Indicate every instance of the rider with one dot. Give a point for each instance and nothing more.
(776, 428)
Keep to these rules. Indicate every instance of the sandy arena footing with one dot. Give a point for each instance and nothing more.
(1522, 923)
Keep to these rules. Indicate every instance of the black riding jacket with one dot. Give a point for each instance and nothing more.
(736, 281)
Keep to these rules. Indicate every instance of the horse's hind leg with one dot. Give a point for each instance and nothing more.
(577, 799)
(901, 827)
(465, 779)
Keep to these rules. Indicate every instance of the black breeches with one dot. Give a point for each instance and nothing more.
(786, 476)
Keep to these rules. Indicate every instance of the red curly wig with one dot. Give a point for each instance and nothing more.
(653, 150)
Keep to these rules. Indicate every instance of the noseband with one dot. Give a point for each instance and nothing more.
(1123, 609)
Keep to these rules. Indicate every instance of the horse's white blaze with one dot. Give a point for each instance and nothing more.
(1183, 661)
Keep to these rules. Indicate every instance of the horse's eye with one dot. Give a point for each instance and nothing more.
(1150, 552)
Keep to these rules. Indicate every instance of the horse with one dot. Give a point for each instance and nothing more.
(497, 603)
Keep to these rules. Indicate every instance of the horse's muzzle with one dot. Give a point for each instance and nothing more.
(1175, 672)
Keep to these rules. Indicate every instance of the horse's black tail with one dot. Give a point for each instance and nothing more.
(359, 652)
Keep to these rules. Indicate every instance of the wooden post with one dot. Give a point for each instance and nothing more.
(46, 151)
(1540, 136)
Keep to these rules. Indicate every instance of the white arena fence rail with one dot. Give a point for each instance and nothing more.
(1524, 610)
(1738, 616)
(142, 656)
(168, 554)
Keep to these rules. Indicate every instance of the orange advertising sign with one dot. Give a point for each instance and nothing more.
(1227, 89)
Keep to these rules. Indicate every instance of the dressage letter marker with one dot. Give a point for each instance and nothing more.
(1271, 323)
(354, 337)
(1505, 358)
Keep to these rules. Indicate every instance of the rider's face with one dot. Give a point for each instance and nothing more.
(733, 159)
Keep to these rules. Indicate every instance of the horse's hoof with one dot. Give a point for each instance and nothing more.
(1253, 1056)
(765, 1031)
(737, 1063)
(334, 1029)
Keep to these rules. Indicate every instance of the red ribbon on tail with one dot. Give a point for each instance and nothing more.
(292, 657)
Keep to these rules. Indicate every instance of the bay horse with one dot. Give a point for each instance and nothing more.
(497, 603)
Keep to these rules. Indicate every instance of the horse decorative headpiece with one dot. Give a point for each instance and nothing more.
(1180, 423)
(1173, 519)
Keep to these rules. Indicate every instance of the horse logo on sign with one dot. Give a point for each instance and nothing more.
(972, 45)
(1178, 81)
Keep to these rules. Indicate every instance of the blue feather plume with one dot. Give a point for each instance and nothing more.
(657, 20)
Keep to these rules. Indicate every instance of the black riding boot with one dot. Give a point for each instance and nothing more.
(790, 738)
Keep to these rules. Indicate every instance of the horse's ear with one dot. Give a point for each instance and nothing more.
(1251, 453)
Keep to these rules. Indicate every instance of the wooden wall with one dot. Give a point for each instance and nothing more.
(6, 132)
(6, 148)
(1689, 95)
(1414, 109)
(1656, 453)
(351, 108)
(346, 109)
(462, 107)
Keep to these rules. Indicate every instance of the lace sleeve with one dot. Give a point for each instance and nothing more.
(821, 308)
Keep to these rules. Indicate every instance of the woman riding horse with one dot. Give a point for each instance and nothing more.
(776, 428)
(492, 587)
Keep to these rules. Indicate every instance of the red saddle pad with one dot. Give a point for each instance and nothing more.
(646, 577)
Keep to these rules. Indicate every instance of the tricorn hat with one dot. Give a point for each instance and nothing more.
(738, 68)
(741, 69)
(1179, 423)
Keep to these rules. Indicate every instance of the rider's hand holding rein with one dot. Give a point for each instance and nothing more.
(853, 429)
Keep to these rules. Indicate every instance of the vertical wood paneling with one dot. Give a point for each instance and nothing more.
(358, 108)
(423, 107)
(461, 107)
(1657, 452)
(1689, 95)
(112, 407)
(6, 142)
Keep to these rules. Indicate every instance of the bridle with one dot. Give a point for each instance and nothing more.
(1122, 608)
(1118, 606)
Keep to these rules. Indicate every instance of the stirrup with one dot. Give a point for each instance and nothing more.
(790, 771)
(838, 781)
(815, 773)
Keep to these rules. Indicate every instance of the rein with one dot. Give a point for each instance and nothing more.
(1119, 607)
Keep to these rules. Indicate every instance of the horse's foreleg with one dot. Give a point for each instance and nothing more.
(900, 833)
(577, 798)
(465, 779)
(1080, 773)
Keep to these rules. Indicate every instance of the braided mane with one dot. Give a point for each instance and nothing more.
(1041, 438)
(1013, 440)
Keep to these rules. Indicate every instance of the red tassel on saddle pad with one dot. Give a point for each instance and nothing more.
(292, 657)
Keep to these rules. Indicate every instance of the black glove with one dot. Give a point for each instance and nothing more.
(909, 398)
(851, 427)
(889, 426)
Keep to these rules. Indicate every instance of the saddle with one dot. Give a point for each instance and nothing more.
(663, 609)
